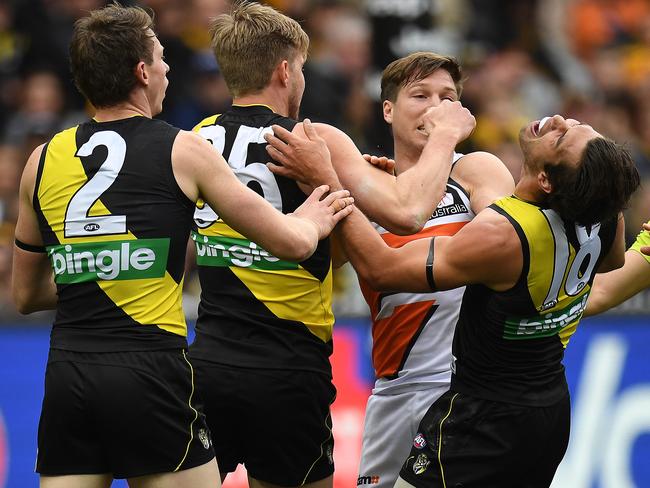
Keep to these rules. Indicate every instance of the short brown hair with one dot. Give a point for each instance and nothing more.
(415, 67)
(250, 42)
(105, 48)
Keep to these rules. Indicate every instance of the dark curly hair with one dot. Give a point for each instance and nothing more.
(598, 188)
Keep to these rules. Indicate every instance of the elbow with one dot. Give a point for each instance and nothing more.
(375, 276)
(23, 304)
(407, 224)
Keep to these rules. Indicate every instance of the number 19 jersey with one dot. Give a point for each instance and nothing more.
(115, 226)
(256, 310)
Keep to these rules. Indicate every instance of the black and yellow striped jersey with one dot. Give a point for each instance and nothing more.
(257, 310)
(509, 345)
(115, 225)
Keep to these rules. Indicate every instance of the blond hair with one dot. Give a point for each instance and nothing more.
(250, 42)
(416, 67)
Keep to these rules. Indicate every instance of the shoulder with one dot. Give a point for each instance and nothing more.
(207, 121)
(472, 168)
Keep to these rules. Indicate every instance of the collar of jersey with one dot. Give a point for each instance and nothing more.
(253, 107)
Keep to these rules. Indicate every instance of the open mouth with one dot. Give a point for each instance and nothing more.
(423, 130)
(537, 126)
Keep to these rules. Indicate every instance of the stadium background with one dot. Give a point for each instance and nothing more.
(524, 59)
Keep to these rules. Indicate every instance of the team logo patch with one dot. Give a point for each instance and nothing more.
(419, 442)
(203, 437)
(421, 464)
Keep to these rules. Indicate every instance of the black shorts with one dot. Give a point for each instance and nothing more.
(126, 413)
(276, 422)
(467, 442)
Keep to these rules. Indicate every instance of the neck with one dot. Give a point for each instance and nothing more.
(528, 190)
(123, 110)
(268, 96)
(405, 156)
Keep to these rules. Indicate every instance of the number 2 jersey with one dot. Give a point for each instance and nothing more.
(412, 332)
(509, 345)
(115, 226)
(256, 310)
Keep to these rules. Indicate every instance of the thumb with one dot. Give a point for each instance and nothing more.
(318, 192)
(309, 129)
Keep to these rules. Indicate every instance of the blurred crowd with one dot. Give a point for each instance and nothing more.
(523, 59)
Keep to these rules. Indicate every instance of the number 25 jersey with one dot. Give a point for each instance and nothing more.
(115, 226)
(257, 310)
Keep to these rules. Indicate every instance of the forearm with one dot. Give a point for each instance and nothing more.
(33, 285)
(421, 187)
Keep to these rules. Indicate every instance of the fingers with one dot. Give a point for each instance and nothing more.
(282, 134)
(646, 250)
(335, 195)
(646, 226)
(276, 154)
(318, 192)
(340, 215)
(310, 130)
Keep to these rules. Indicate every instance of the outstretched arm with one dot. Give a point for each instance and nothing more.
(613, 288)
(201, 172)
(32, 284)
(401, 204)
(487, 250)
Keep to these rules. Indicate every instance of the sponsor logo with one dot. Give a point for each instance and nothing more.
(367, 480)
(419, 442)
(545, 325)
(203, 437)
(106, 261)
(91, 227)
(421, 464)
(229, 251)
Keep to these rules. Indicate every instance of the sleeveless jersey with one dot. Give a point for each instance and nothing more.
(257, 310)
(412, 332)
(509, 345)
(115, 225)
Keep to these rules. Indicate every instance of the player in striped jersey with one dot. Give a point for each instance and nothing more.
(110, 202)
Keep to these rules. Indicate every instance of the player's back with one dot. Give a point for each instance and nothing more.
(115, 226)
(509, 345)
(257, 310)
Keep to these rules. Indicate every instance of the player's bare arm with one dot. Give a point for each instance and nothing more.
(486, 251)
(201, 172)
(485, 178)
(33, 286)
(646, 249)
(401, 204)
(613, 288)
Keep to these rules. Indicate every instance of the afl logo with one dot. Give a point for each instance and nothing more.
(4, 452)
(91, 227)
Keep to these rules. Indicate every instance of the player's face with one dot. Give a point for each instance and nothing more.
(413, 100)
(558, 141)
(157, 70)
(297, 86)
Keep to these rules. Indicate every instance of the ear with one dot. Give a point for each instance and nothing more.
(141, 74)
(284, 72)
(544, 183)
(388, 111)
